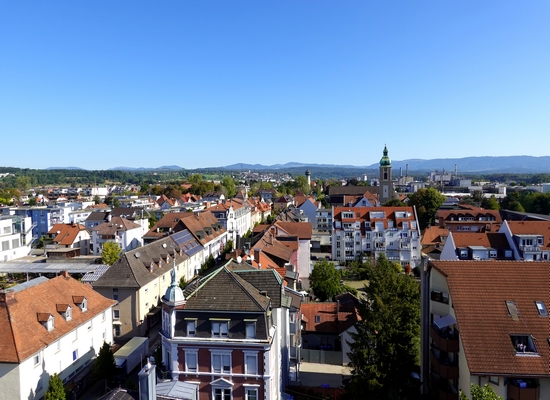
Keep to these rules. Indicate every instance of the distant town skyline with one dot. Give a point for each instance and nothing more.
(204, 84)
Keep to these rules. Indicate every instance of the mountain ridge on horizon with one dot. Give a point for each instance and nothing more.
(485, 164)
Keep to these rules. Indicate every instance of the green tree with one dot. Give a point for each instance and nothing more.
(23, 183)
(385, 348)
(324, 280)
(110, 253)
(56, 390)
(104, 365)
(229, 184)
(427, 202)
(301, 185)
(32, 201)
(484, 392)
(183, 283)
(97, 200)
(394, 203)
(195, 178)
(490, 203)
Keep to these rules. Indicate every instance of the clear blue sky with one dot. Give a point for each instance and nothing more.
(101, 84)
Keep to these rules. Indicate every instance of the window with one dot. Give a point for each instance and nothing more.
(116, 330)
(541, 308)
(508, 253)
(221, 362)
(116, 314)
(75, 355)
(36, 359)
(250, 330)
(222, 394)
(523, 344)
(191, 358)
(317, 319)
(115, 296)
(103, 316)
(58, 346)
(219, 328)
(494, 379)
(492, 253)
(90, 325)
(69, 314)
(251, 394)
(512, 309)
(250, 363)
(191, 328)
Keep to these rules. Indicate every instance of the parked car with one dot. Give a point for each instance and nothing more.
(314, 257)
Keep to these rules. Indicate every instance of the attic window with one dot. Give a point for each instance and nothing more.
(523, 344)
(541, 308)
(81, 302)
(68, 314)
(46, 320)
(317, 319)
(512, 310)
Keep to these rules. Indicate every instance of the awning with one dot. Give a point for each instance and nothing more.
(445, 321)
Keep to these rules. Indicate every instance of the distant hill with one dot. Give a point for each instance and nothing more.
(141, 169)
(83, 169)
(484, 164)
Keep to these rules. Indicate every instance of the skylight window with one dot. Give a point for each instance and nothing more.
(541, 308)
(512, 310)
(523, 344)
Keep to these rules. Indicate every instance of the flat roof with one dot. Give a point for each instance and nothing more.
(46, 268)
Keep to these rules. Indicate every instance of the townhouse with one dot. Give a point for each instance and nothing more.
(227, 336)
(127, 234)
(486, 322)
(469, 219)
(234, 215)
(203, 225)
(50, 326)
(138, 280)
(71, 236)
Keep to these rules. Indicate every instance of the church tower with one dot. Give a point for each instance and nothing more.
(386, 183)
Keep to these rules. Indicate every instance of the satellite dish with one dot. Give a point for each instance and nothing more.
(137, 254)
(239, 259)
(164, 245)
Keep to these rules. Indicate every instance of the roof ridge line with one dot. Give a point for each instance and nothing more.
(234, 277)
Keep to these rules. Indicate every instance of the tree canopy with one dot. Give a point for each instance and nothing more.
(110, 253)
(427, 202)
(385, 348)
(325, 279)
(229, 184)
(104, 365)
(56, 390)
(484, 392)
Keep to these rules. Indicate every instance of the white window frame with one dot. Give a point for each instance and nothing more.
(254, 355)
(217, 331)
(250, 325)
(116, 315)
(188, 323)
(252, 388)
(188, 367)
(223, 366)
(222, 394)
(36, 359)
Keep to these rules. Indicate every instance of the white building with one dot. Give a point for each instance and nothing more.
(362, 231)
(49, 326)
(15, 237)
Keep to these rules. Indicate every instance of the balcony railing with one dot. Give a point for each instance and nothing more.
(444, 367)
(444, 342)
(523, 390)
(529, 249)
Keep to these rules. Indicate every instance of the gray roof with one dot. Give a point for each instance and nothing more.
(224, 290)
(133, 269)
(45, 268)
(177, 390)
(265, 280)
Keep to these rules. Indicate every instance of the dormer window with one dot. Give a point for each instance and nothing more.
(220, 329)
(81, 302)
(46, 320)
(68, 314)
(250, 328)
(523, 344)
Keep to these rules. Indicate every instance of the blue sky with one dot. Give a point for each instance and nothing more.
(101, 84)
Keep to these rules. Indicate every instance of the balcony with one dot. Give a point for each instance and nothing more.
(526, 389)
(444, 367)
(529, 249)
(444, 341)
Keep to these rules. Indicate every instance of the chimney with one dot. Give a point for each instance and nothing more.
(7, 296)
(147, 382)
(65, 274)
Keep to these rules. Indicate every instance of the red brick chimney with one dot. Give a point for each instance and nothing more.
(7, 297)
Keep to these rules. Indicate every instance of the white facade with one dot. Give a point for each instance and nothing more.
(66, 357)
(15, 237)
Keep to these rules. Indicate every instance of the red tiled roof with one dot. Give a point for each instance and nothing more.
(66, 234)
(329, 320)
(21, 331)
(478, 293)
